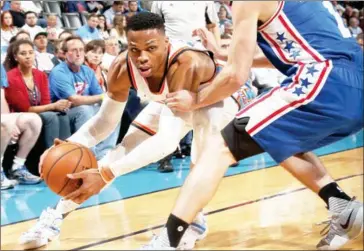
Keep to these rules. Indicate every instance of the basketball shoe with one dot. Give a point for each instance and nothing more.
(346, 223)
(196, 231)
(6, 183)
(24, 177)
(46, 229)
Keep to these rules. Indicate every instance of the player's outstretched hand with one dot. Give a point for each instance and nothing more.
(207, 38)
(182, 101)
(92, 183)
(56, 143)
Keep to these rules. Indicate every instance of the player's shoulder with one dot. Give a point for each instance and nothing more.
(118, 72)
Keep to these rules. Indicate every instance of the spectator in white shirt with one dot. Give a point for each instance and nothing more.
(116, 8)
(183, 17)
(354, 27)
(43, 59)
(119, 30)
(8, 30)
(30, 6)
(111, 52)
(52, 23)
(31, 24)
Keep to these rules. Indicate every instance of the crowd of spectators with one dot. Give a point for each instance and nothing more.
(54, 78)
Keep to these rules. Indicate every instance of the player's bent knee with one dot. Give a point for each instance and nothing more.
(239, 142)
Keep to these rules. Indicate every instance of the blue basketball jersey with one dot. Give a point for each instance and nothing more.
(305, 32)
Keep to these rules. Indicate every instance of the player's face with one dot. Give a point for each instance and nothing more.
(148, 49)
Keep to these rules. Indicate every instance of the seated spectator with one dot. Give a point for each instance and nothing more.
(354, 27)
(20, 128)
(94, 7)
(103, 27)
(31, 24)
(360, 40)
(28, 91)
(76, 82)
(89, 31)
(119, 31)
(21, 35)
(111, 52)
(17, 14)
(52, 24)
(4, 5)
(117, 8)
(30, 6)
(223, 19)
(58, 53)
(76, 6)
(94, 52)
(226, 5)
(64, 35)
(133, 9)
(8, 30)
(43, 59)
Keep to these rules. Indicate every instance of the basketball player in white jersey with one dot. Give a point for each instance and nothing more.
(155, 67)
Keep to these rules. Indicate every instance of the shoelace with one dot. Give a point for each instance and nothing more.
(328, 222)
(326, 229)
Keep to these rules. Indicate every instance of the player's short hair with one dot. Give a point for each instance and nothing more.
(145, 21)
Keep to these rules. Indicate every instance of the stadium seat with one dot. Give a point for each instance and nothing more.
(52, 7)
(71, 20)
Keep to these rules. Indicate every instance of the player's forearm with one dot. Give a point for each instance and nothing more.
(151, 150)
(224, 85)
(100, 126)
(78, 100)
(170, 132)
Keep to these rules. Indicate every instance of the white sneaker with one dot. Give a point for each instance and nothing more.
(345, 225)
(197, 231)
(159, 242)
(45, 230)
(6, 183)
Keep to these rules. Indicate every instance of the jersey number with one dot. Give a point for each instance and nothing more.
(340, 24)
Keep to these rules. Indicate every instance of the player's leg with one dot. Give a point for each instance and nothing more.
(29, 126)
(283, 130)
(5, 140)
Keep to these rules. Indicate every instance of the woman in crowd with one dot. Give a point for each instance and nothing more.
(119, 30)
(103, 27)
(95, 50)
(8, 30)
(28, 91)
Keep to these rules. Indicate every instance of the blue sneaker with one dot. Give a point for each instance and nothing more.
(24, 177)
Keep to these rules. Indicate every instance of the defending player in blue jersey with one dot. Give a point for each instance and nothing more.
(320, 102)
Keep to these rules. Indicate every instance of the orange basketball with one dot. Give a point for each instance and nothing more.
(66, 158)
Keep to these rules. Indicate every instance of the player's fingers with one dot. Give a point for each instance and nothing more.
(171, 95)
(72, 196)
(79, 175)
(58, 141)
(172, 104)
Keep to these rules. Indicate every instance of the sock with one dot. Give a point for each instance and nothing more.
(18, 163)
(332, 190)
(175, 230)
(65, 207)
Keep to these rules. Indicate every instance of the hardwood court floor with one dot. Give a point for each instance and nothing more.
(264, 209)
